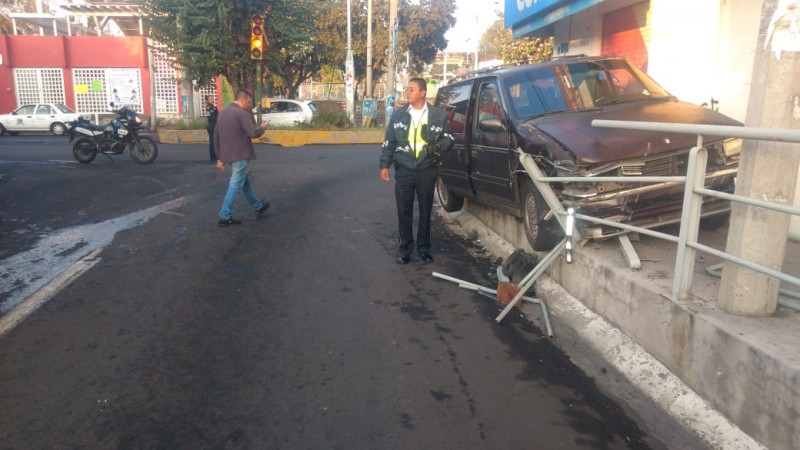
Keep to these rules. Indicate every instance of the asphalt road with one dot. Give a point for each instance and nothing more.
(293, 331)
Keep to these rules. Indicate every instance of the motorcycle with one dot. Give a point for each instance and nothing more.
(123, 132)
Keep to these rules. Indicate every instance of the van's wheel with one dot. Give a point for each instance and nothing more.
(58, 128)
(542, 235)
(450, 202)
(2, 129)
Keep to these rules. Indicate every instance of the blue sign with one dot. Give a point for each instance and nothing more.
(370, 108)
(531, 15)
(520, 10)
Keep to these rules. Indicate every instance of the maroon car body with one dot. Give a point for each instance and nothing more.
(547, 110)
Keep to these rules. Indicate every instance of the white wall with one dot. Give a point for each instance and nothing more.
(698, 49)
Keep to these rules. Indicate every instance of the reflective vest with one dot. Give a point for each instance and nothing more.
(415, 138)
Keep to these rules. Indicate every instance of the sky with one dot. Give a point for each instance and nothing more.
(473, 17)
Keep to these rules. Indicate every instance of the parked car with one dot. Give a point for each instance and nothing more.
(546, 110)
(287, 113)
(38, 117)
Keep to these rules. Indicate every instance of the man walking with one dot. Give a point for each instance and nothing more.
(416, 137)
(232, 140)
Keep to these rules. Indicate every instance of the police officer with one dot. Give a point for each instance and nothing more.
(416, 137)
(212, 112)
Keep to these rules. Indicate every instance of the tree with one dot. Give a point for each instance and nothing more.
(206, 37)
(297, 51)
(421, 32)
(423, 27)
(497, 41)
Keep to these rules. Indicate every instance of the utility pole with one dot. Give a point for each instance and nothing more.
(392, 72)
(392, 46)
(767, 170)
(348, 68)
(368, 93)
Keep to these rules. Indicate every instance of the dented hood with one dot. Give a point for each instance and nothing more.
(593, 145)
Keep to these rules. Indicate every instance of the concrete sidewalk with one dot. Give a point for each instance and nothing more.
(746, 368)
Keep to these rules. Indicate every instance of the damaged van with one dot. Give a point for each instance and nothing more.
(546, 110)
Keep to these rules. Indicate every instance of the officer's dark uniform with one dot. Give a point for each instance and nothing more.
(415, 173)
(212, 112)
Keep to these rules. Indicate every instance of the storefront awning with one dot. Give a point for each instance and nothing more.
(533, 17)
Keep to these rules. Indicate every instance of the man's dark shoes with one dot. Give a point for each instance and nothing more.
(426, 257)
(263, 209)
(228, 221)
(402, 259)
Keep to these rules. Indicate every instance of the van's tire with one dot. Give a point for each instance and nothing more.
(2, 129)
(542, 235)
(450, 202)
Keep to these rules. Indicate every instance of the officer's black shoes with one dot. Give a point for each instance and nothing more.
(426, 257)
(228, 221)
(402, 259)
(263, 209)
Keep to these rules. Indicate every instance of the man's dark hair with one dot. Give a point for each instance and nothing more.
(421, 84)
(208, 97)
(242, 94)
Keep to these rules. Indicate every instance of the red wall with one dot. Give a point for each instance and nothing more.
(7, 98)
(68, 52)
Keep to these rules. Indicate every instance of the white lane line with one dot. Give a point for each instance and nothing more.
(25, 273)
(48, 291)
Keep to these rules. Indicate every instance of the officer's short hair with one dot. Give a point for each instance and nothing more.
(421, 84)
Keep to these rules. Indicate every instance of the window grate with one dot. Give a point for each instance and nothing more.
(39, 86)
(95, 89)
(165, 84)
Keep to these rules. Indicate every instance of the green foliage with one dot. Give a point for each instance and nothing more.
(182, 124)
(422, 25)
(206, 37)
(328, 119)
(227, 92)
(497, 42)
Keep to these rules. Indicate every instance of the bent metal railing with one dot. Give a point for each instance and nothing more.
(695, 189)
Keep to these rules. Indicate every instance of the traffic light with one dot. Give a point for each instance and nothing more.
(257, 38)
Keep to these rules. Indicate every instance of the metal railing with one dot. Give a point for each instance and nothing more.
(695, 190)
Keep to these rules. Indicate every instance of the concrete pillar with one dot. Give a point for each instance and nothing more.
(794, 228)
(767, 170)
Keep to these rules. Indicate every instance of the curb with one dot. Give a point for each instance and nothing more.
(284, 138)
(578, 330)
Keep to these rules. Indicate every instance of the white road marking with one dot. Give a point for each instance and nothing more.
(40, 297)
(55, 256)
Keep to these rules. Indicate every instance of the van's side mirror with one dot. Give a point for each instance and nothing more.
(491, 125)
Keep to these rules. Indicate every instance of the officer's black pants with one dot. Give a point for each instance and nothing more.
(408, 183)
(211, 153)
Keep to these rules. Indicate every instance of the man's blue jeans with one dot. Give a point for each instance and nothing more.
(240, 179)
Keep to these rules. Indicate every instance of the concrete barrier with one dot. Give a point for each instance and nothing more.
(285, 138)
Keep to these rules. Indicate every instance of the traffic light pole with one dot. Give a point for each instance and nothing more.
(257, 98)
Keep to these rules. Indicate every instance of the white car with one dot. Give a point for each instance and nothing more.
(38, 117)
(287, 113)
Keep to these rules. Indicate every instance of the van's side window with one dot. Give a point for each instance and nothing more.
(454, 100)
(534, 93)
(489, 103)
